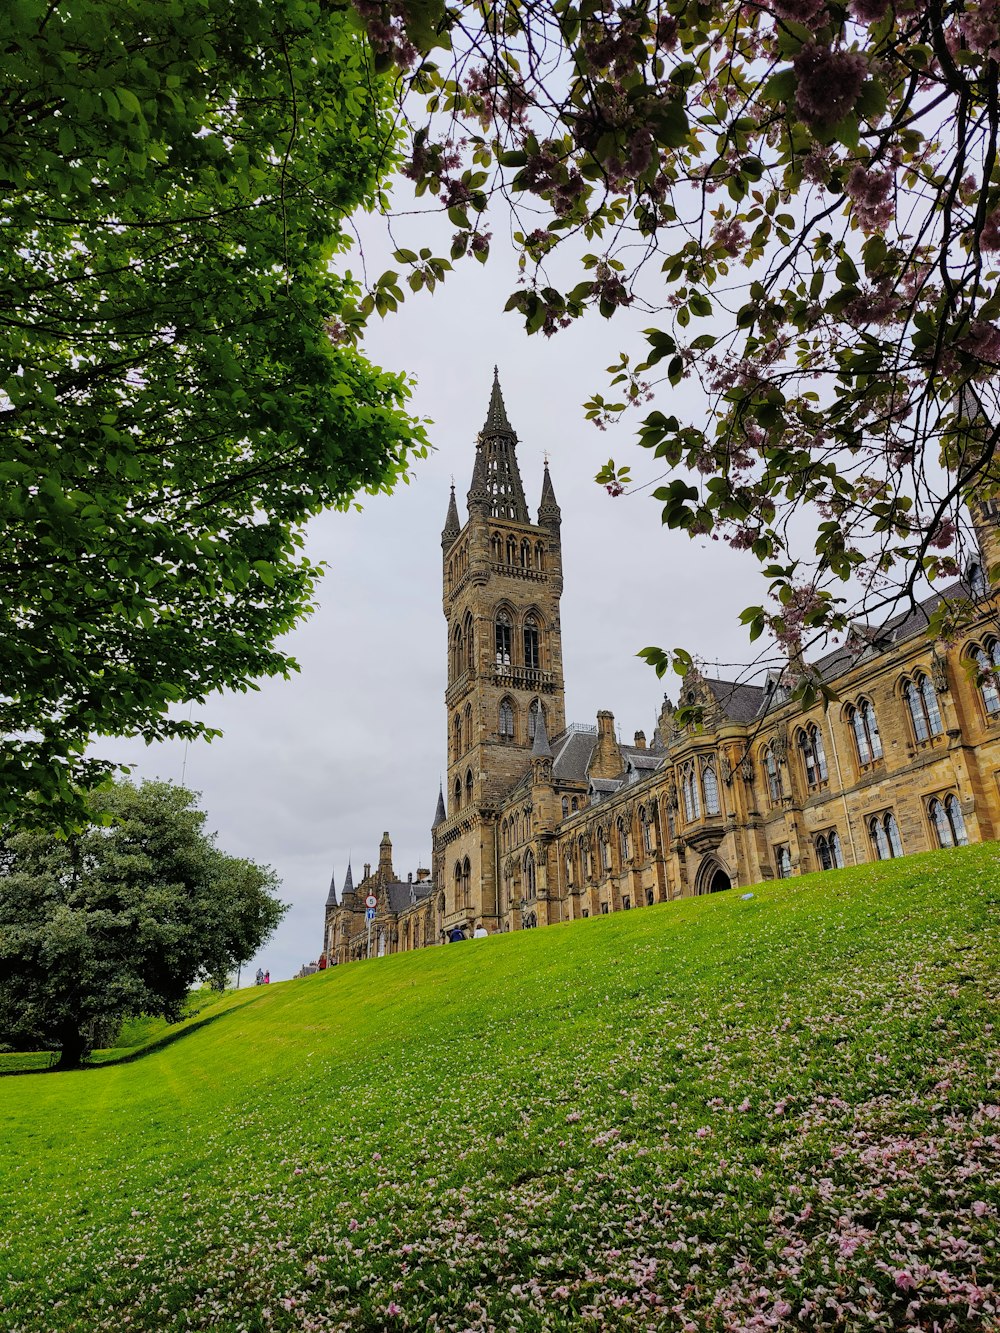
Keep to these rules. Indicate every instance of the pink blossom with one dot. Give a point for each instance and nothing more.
(703, 1132)
(828, 84)
(798, 11)
(393, 1309)
(869, 11)
(870, 193)
(353, 1224)
(744, 1105)
(989, 238)
(980, 1208)
(905, 1281)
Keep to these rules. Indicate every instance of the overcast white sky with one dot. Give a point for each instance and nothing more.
(313, 769)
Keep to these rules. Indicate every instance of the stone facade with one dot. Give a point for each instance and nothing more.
(548, 823)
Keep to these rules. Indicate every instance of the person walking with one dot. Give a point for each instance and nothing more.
(267, 977)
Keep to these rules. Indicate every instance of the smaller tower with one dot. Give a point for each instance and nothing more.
(328, 913)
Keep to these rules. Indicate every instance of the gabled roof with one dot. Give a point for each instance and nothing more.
(739, 703)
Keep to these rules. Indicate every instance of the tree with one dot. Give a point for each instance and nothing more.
(806, 194)
(121, 918)
(175, 394)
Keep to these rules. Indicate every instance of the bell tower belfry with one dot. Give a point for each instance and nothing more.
(502, 585)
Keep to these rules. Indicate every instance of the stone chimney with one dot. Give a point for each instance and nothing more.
(606, 761)
(640, 740)
(422, 874)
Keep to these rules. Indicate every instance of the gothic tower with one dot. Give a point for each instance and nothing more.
(502, 584)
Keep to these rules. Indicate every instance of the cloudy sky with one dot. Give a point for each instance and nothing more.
(312, 770)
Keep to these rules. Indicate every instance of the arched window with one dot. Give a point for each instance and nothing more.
(565, 807)
(710, 785)
(583, 846)
(456, 728)
(511, 551)
(783, 861)
(529, 874)
(864, 724)
(921, 700)
(458, 793)
(977, 579)
(457, 652)
(506, 720)
(459, 895)
(988, 661)
(466, 881)
(647, 831)
(531, 656)
(690, 793)
(884, 832)
(525, 554)
(533, 713)
(468, 726)
(574, 805)
(502, 637)
(468, 786)
(496, 546)
(569, 866)
(828, 849)
(823, 853)
(772, 775)
(539, 556)
(469, 635)
(624, 840)
(810, 740)
(948, 821)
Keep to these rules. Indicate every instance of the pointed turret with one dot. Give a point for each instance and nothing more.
(549, 513)
(331, 897)
(385, 873)
(439, 813)
(452, 527)
(348, 883)
(540, 747)
(496, 481)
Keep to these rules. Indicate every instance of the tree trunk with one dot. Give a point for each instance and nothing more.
(73, 1046)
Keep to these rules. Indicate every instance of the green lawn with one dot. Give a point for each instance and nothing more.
(715, 1114)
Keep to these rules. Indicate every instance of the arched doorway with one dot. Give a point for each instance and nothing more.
(712, 877)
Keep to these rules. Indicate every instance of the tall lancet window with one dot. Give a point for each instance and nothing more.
(531, 655)
(503, 636)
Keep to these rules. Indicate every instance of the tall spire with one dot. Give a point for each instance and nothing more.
(496, 417)
(439, 813)
(452, 527)
(331, 897)
(549, 513)
(496, 482)
(348, 882)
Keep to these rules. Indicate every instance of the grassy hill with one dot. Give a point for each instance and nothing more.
(781, 1112)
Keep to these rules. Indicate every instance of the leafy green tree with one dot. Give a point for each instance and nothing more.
(176, 397)
(803, 197)
(122, 918)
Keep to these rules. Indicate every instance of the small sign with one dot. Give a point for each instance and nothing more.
(371, 901)
(369, 913)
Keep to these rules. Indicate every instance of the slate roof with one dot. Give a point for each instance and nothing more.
(397, 894)
(740, 703)
(572, 752)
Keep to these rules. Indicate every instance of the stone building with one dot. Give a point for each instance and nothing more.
(546, 822)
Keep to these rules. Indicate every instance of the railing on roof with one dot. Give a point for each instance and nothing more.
(585, 728)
